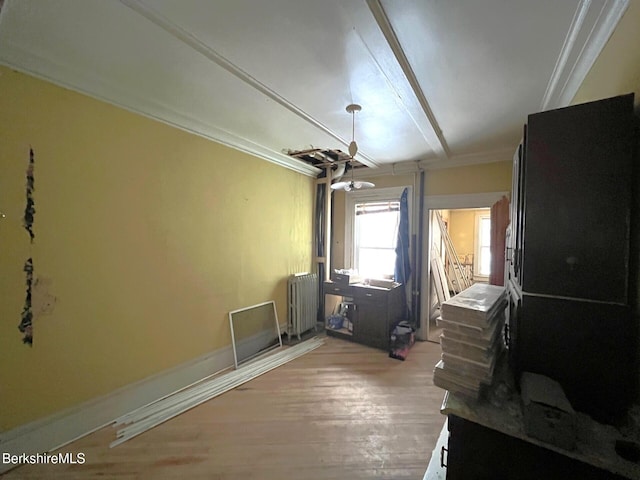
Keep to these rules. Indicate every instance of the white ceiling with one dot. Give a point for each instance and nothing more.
(440, 82)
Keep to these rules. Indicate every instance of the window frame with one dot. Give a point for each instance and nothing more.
(387, 194)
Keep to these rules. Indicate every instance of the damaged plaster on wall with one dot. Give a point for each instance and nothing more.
(38, 301)
(26, 324)
(30, 210)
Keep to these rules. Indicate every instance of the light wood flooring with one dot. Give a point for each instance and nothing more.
(343, 411)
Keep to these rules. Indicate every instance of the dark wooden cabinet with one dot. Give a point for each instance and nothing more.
(374, 313)
(476, 452)
(569, 254)
(373, 321)
(577, 200)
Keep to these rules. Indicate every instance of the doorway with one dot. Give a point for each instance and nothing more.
(460, 256)
(467, 219)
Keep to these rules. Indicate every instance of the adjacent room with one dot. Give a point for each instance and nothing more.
(460, 256)
(360, 239)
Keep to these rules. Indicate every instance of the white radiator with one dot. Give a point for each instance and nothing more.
(303, 303)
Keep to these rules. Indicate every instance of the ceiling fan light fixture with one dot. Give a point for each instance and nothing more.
(353, 150)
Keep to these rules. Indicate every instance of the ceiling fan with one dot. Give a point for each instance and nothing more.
(353, 149)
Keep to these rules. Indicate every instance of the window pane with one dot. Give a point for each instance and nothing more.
(377, 229)
(485, 261)
(483, 243)
(376, 263)
(485, 232)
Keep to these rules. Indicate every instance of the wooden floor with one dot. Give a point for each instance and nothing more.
(343, 411)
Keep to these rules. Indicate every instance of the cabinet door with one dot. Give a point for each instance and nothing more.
(513, 230)
(371, 327)
(512, 324)
(588, 347)
(577, 184)
(480, 453)
(520, 206)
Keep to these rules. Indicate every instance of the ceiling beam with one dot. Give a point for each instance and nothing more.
(435, 136)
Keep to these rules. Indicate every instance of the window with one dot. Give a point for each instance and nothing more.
(483, 245)
(376, 230)
(371, 228)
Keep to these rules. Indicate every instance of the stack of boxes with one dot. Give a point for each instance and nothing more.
(472, 339)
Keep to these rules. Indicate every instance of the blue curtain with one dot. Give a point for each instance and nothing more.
(402, 271)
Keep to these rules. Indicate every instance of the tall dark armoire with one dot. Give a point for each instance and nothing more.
(570, 260)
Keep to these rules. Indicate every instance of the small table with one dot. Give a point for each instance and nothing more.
(374, 313)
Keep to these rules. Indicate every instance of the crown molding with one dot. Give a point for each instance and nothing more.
(578, 54)
(76, 80)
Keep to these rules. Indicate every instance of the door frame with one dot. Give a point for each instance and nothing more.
(444, 202)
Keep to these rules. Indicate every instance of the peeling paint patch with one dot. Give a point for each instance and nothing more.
(26, 325)
(30, 210)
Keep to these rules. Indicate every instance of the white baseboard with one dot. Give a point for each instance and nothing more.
(61, 428)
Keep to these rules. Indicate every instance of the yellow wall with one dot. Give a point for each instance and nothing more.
(150, 236)
(483, 178)
(462, 229)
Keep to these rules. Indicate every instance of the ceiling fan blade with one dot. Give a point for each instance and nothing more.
(339, 185)
(358, 185)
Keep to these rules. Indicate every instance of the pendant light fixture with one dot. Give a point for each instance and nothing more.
(353, 149)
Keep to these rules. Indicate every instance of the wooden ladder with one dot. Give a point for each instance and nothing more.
(460, 280)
